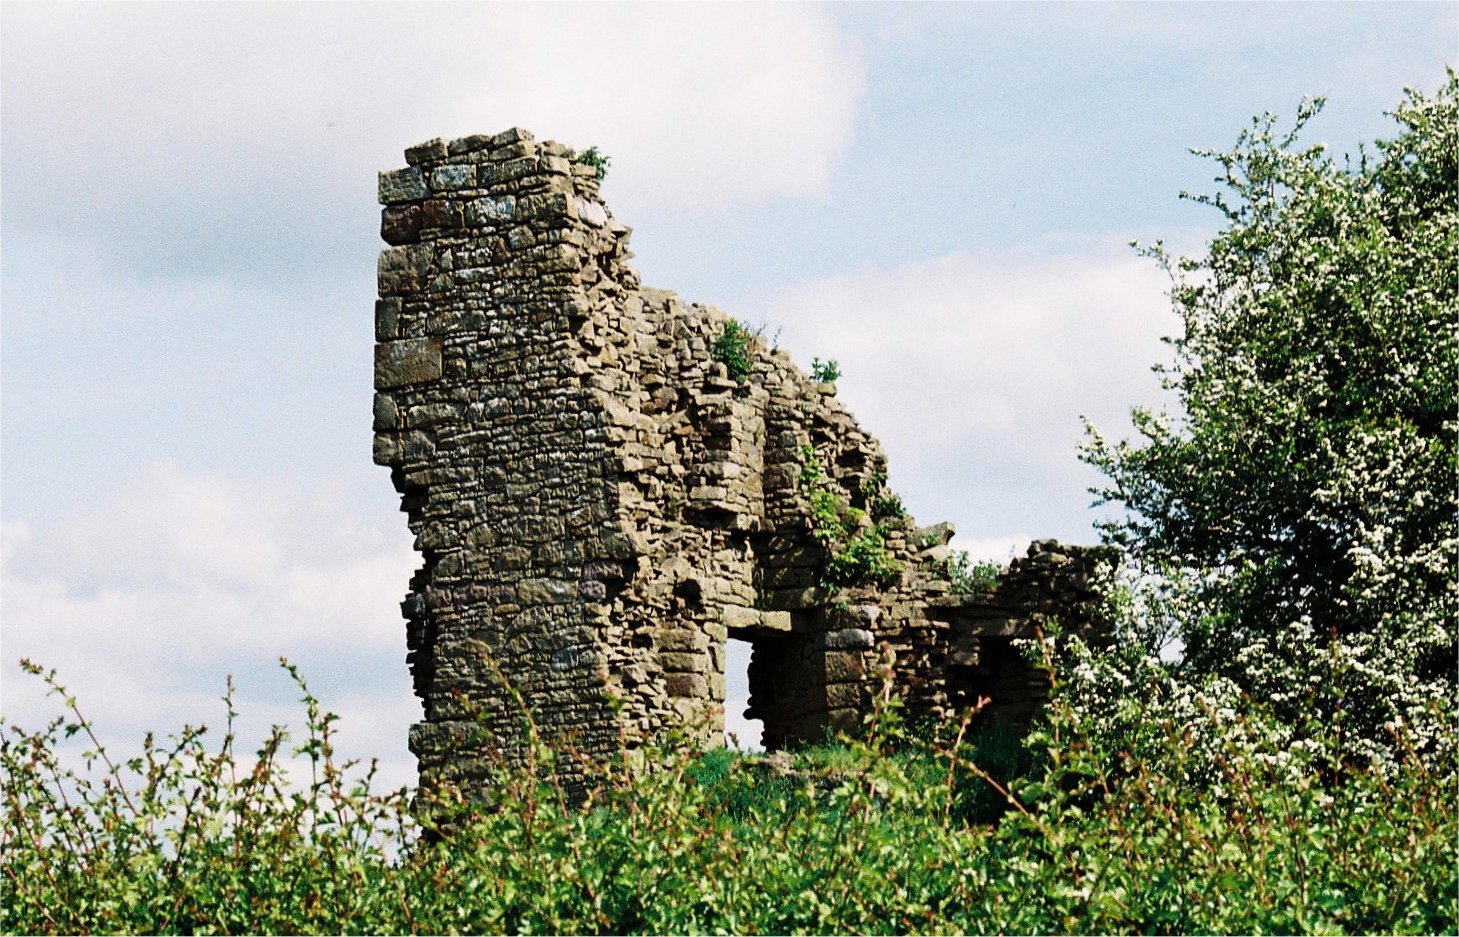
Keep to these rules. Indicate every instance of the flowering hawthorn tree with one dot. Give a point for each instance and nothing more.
(1306, 494)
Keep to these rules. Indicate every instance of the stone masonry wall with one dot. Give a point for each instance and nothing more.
(599, 504)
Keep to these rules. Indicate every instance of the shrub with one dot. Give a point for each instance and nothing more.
(967, 576)
(881, 501)
(183, 839)
(1179, 809)
(1306, 494)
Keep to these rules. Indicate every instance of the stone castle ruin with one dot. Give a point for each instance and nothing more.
(606, 483)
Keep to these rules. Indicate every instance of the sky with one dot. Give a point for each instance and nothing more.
(940, 197)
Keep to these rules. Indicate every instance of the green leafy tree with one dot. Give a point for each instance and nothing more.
(1307, 489)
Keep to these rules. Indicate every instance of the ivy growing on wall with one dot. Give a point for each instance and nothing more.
(857, 546)
(881, 501)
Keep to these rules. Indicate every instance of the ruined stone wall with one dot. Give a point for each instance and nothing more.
(600, 504)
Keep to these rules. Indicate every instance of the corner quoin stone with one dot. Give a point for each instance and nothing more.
(407, 361)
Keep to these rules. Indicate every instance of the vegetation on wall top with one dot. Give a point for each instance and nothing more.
(732, 349)
(592, 156)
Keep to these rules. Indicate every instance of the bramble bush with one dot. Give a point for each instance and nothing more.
(890, 832)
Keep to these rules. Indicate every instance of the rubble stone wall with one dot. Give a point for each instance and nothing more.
(600, 503)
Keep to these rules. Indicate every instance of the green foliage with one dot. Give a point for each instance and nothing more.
(1304, 504)
(887, 833)
(732, 349)
(1197, 809)
(864, 558)
(857, 547)
(598, 160)
(183, 839)
(967, 576)
(825, 372)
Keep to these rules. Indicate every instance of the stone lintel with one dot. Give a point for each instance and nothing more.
(745, 622)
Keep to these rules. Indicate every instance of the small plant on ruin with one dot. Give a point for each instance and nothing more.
(857, 547)
(825, 372)
(592, 156)
(732, 349)
(968, 576)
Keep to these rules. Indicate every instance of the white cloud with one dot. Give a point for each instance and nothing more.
(267, 564)
(147, 603)
(746, 732)
(740, 732)
(701, 105)
(141, 119)
(996, 549)
(975, 368)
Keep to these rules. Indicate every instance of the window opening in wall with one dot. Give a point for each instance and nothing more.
(738, 730)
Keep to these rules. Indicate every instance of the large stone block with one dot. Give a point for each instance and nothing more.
(845, 695)
(546, 591)
(686, 685)
(681, 639)
(742, 619)
(407, 361)
(387, 416)
(404, 269)
(490, 210)
(403, 185)
(851, 639)
(387, 319)
(843, 667)
(680, 662)
(400, 224)
(453, 177)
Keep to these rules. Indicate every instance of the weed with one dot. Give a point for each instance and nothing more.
(955, 829)
(592, 156)
(968, 576)
(732, 349)
(881, 501)
(825, 372)
(857, 547)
